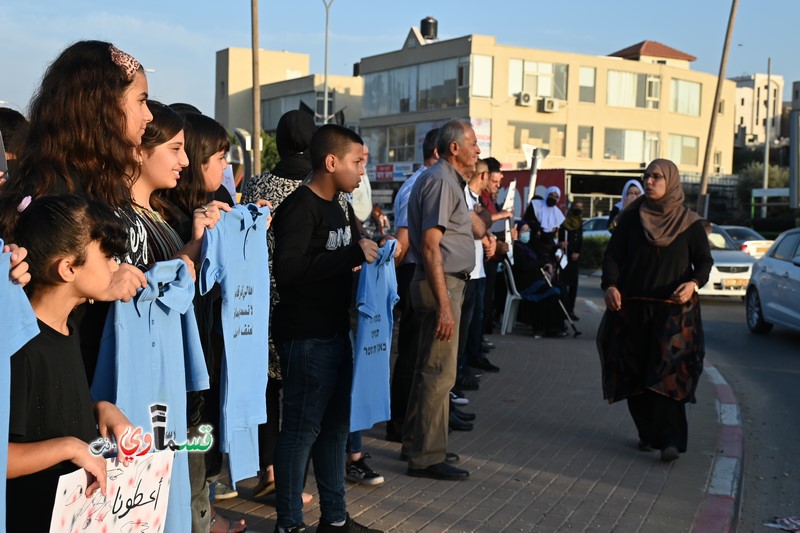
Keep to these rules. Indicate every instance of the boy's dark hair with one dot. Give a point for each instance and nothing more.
(331, 139)
(12, 124)
(493, 164)
(204, 138)
(429, 144)
(53, 227)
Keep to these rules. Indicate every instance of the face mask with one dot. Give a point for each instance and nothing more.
(551, 202)
(525, 237)
(577, 212)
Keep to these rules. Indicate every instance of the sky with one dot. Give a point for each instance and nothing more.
(178, 39)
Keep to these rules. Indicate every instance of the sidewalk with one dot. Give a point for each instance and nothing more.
(547, 454)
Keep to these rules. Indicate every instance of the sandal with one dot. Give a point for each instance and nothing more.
(221, 525)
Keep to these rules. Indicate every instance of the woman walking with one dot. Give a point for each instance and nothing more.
(651, 338)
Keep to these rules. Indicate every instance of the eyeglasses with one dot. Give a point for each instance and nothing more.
(648, 175)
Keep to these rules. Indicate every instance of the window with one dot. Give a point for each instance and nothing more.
(390, 92)
(631, 145)
(482, 78)
(402, 141)
(685, 97)
(785, 250)
(462, 81)
(586, 77)
(436, 87)
(375, 138)
(549, 136)
(321, 106)
(585, 134)
(742, 101)
(628, 89)
(683, 150)
(718, 162)
(543, 80)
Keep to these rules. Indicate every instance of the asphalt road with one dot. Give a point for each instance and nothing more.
(764, 371)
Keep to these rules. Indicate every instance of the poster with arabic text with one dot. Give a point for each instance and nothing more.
(135, 501)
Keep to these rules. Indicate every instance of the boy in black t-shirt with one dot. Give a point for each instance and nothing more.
(316, 250)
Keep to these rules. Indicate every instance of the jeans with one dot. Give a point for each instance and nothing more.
(317, 379)
(474, 332)
(467, 308)
(354, 444)
(407, 348)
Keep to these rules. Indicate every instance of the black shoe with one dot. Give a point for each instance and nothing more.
(467, 384)
(350, 526)
(458, 398)
(456, 424)
(467, 417)
(302, 528)
(556, 333)
(486, 343)
(470, 372)
(484, 364)
(670, 453)
(439, 471)
(449, 457)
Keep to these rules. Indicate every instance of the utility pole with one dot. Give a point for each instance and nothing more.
(702, 204)
(767, 144)
(328, 4)
(255, 138)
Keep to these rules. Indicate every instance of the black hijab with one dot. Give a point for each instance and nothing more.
(293, 138)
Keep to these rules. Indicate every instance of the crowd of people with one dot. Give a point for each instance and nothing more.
(112, 197)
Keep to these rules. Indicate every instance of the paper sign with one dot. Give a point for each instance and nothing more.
(135, 502)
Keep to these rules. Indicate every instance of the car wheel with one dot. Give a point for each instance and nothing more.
(755, 317)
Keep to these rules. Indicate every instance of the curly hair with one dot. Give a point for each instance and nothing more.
(77, 129)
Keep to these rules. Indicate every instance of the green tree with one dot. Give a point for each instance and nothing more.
(752, 177)
(269, 154)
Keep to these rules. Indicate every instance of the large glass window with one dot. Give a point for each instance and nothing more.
(375, 139)
(462, 81)
(683, 149)
(402, 141)
(541, 79)
(586, 84)
(630, 145)
(390, 92)
(684, 97)
(585, 137)
(549, 136)
(437, 85)
(628, 89)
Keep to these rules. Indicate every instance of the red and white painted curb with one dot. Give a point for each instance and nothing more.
(720, 508)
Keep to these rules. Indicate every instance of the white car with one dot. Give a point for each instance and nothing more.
(748, 240)
(732, 268)
(596, 227)
(773, 294)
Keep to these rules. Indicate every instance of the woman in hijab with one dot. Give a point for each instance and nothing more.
(651, 337)
(539, 300)
(545, 218)
(571, 232)
(293, 138)
(630, 192)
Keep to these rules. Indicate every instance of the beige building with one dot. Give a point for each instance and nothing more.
(751, 108)
(233, 100)
(591, 112)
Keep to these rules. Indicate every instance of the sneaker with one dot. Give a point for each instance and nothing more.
(360, 472)
(350, 526)
(458, 398)
(302, 528)
(467, 383)
(223, 492)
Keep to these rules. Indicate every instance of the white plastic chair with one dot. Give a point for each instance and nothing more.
(512, 300)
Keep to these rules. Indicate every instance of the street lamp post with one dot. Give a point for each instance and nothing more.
(765, 181)
(328, 4)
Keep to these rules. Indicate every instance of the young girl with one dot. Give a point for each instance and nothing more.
(71, 245)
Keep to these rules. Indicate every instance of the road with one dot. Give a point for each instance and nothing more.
(764, 371)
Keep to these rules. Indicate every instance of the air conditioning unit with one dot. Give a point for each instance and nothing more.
(549, 105)
(525, 99)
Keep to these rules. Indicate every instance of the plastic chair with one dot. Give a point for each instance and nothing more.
(512, 299)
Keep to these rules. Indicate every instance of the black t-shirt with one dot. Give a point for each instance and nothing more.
(315, 252)
(49, 399)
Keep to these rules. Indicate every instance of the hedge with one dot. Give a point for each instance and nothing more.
(592, 252)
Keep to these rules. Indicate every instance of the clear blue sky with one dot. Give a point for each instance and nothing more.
(179, 38)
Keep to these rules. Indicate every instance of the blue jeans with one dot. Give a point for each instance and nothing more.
(474, 333)
(354, 443)
(317, 381)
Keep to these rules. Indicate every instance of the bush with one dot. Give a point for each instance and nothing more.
(592, 252)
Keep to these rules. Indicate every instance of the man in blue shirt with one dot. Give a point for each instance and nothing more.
(316, 250)
(407, 338)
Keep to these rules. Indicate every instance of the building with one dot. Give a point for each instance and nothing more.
(751, 108)
(613, 112)
(285, 83)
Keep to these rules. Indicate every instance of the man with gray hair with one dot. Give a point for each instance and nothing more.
(440, 235)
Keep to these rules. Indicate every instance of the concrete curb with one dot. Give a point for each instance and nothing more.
(720, 510)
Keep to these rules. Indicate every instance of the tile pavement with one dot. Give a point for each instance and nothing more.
(547, 454)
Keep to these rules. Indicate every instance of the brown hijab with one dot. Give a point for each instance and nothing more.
(665, 219)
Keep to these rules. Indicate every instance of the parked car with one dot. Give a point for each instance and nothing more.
(748, 240)
(773, 294)
(596, 227)
(732, 267)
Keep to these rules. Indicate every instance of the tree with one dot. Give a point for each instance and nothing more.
(752, 177)
(269, 154)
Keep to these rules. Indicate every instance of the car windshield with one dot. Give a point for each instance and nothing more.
(720, 240)
(743, 234)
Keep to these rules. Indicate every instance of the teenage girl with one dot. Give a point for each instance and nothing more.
(71, 244)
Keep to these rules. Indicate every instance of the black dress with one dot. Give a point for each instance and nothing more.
(652, 349)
